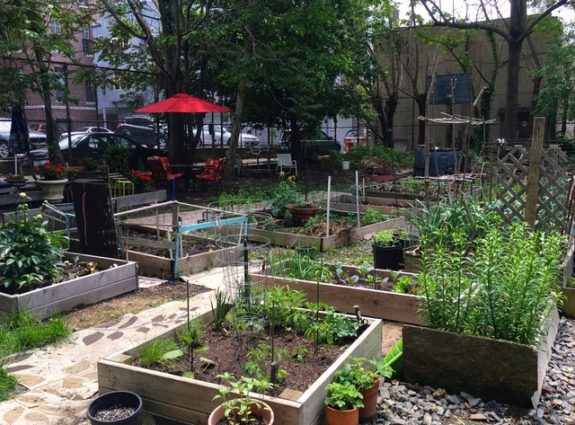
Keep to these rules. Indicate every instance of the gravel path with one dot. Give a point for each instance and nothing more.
(402, 403)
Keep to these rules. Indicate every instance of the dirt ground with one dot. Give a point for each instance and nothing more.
(110, 311)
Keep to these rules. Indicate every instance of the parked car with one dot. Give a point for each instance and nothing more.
(320, 144)
(37, 139)
(143, 130)
(94, 145)
(245, 139)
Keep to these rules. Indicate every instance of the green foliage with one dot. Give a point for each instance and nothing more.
(29, 253)
(21, 332)
(285, 193)
(373, 215)
(504, 291)
(382, 154)
(220, 310)
(239, 410)
(332, 329)
(384, 366)
(356, 374)
(300, 265)
(343, 396)
(157, 352)
(403, 285)
(454, 223)
(300, 353)
(7, 384)
(259, 359)
(116, 158)
(384, 238)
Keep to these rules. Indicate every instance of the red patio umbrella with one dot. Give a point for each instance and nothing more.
(182, 103)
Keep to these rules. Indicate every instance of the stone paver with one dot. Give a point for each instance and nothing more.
(61, 379)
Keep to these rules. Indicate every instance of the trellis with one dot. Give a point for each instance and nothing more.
(511, 176)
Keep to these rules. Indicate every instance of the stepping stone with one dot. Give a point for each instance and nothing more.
(36, 417)
(130, 322)
(144, 329)
(90, 339)
(12, 415)
(116, 335)
(16, 368)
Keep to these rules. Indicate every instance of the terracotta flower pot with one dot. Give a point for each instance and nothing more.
(342, 417)
(260, 409)
(302, 213)
(369, 409)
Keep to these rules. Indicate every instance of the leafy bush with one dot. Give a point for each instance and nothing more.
(116, 158)
(373, 215)
(285, 193)
(382, 154)
(29, 253)
(343, 396)
(504, 291)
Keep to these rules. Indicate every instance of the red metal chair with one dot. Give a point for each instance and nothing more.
(160, 166)
(213, 171)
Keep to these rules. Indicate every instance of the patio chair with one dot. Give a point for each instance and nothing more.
(285, 164)
(213, 172)
(160, 166)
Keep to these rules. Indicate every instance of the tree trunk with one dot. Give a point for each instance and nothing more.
(511, 98)
(421, 107)
(390, 106)
(232, 155)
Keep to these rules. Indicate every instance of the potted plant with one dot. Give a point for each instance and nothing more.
(117, 407)
(343, 402)
(387, 251)
(367, 381)
(16, 180)
(53, 179)
(286, 193)
(244, 409)
(302, 212)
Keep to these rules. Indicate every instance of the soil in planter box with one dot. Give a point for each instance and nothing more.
(316, 225)
(228, 354)
(69, 271)
(190, 246)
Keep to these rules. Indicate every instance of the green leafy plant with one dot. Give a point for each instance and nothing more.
(30, 255)
(116, 158)
(157, 352)
(391, 363)
(355, 373)
(285, 193)
(260, 357)
(300, 353)
(301, 266)
(241, 410)
(343, 396)
(403, 285)
(191, 335)
(333, 328)
(384, 238)
(504, 292)
(220, 310)
(7, 384)
(372, 215)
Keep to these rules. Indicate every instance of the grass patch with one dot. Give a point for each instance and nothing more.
(22, 332)
(7, 384)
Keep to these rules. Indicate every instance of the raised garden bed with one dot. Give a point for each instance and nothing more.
(378, 303)
(487, 368)
(115, 277)
(568, 306)
(191, 400)
(153, 256)
(346, 202)
(344, 236)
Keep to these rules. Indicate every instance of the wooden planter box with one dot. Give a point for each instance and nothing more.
(487, 368)
(568, 307)
(344, 237)
(373, 303)
(191, 401)
(154, 265)
(109, 282)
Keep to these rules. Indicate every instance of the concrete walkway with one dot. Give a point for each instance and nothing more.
(61, 379)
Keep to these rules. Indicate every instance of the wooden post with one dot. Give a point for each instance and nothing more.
(535, 155)
(95, 218)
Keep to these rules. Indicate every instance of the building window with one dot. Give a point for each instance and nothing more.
(60, 84)
(54, 27)
(90, 92)
(86, 42)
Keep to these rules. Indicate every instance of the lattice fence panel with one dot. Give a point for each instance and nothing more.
(511, 187)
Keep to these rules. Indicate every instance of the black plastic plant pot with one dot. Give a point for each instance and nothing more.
(112, 400)
(388, 257)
